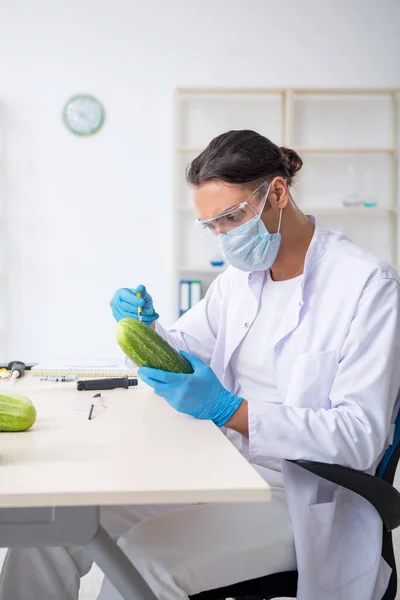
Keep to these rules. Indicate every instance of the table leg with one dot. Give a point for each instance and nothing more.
(70, 526)
(117, 567)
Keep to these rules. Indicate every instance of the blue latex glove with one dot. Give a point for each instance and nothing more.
(199, 394)
(125, 303)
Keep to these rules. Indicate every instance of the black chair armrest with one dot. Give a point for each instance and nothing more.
(383, 497)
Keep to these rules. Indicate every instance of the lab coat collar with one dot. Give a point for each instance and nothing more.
(246, 304)
(317, 247)
(315, 251)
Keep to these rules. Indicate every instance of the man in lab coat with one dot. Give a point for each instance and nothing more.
(295, 351)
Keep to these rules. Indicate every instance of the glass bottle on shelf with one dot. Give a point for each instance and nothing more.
(217, 260)
(369, 201)
(352, 199)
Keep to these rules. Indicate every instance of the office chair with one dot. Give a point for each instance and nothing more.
(377, 489)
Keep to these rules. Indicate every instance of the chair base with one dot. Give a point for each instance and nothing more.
(262, 588)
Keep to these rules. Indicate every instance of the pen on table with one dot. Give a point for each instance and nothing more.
(59, 378)
(92, 407)
(140, 309)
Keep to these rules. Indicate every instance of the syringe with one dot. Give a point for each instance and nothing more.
(140, 309)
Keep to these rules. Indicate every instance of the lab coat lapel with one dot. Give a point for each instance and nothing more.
(292, 314)
(242, 310)
(244, 305)
(291, 317)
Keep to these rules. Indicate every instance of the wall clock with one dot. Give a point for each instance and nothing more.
(83, 114)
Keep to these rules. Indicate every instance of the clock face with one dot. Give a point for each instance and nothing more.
(83, 115)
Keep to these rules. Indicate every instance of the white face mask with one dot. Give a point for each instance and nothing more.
(251, 247)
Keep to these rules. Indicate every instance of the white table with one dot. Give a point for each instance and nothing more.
(138, 450)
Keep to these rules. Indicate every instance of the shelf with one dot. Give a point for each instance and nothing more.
(359, 210)
(307, 209)
(348, 211)
(341, 150)
(201, 269)
(230, 91)
(358, 126)
(328, 210)
(345, 150)
(346, 91)
(301, 91)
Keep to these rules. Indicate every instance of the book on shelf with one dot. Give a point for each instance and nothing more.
(190, 292)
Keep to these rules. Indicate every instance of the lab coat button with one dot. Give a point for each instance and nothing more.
(301, 303)
(246, 324)
(250, 276)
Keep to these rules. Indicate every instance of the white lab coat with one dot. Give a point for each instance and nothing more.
(337, 356)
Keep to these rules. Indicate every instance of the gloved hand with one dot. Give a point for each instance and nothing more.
(125, 303)
(199, 394)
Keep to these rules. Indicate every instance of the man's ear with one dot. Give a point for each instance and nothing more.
(279, 193)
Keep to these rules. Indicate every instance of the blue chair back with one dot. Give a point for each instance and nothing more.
(388, 465)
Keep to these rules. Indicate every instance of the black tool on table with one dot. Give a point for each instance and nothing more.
(106, 384)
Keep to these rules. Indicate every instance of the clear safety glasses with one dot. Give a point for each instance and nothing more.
(236, 215)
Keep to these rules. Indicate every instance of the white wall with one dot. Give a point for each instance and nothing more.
(82, 217)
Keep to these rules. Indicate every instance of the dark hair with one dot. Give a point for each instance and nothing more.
(243, 157)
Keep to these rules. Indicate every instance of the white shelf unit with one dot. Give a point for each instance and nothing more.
(331, 129)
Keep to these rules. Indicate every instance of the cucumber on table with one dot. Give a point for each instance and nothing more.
(146, 348)
(17, 413)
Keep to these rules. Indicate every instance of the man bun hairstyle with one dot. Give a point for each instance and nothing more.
(292, 161)
(243, 157)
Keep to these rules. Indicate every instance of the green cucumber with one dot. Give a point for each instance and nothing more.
(17, 413)
(146, 348)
